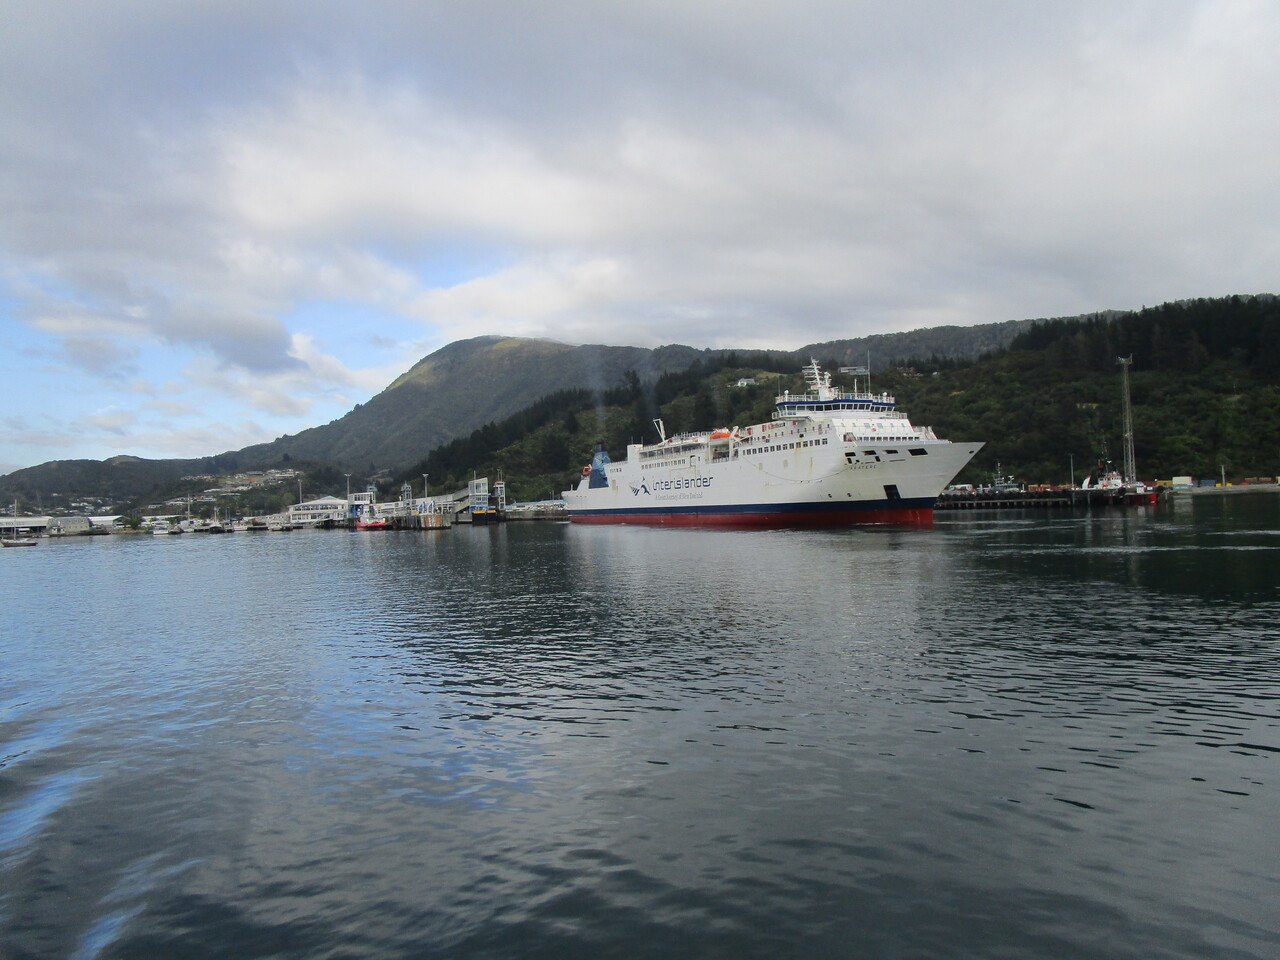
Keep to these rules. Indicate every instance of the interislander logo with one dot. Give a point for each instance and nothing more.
(665, 486)
(683, 483)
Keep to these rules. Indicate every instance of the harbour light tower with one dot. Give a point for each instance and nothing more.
(1130, 466)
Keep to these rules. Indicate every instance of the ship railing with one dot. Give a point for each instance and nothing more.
(836, 398)
(846, 414)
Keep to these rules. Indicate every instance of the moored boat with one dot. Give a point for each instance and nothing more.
(827, 458)
(370, 519)
(15, 539)
(1104, 477)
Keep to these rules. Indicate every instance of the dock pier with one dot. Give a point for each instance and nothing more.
(1039, 500)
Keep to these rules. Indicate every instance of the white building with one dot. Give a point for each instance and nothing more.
(315, 511)
(18, 526)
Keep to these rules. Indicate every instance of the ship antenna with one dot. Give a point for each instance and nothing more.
(662, 431)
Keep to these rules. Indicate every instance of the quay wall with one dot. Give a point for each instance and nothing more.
(1032, 500)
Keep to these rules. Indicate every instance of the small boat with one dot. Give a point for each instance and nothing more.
(15, 540)
(1104, 477)
(370, 519)
(1001, 484)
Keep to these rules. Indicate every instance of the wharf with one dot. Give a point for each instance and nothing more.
(1230, 490)
(1036, 500)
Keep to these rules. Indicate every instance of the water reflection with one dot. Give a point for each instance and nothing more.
(1036, 736)
(1216, 549)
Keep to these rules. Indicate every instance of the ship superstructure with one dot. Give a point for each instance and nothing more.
(827, 458)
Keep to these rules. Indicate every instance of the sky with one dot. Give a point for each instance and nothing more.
(221, 222)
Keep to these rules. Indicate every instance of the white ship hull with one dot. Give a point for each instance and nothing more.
(827, 460)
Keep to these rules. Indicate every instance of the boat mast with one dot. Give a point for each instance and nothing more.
(1130, 467)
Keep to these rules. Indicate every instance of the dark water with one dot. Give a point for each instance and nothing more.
(1013, 736)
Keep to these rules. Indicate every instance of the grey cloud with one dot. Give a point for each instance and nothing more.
(187, 174)
(99, 356)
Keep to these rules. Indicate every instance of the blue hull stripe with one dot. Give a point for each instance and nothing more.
(751, 509)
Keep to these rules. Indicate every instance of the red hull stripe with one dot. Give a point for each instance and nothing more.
(909, 512)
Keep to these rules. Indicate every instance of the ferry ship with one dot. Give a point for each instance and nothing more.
(826, 459)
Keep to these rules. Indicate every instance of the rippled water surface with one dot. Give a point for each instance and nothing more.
(1013, 735)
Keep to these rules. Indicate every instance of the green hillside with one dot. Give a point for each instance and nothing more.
(1205, 385)
(538, 450)
(461, 387)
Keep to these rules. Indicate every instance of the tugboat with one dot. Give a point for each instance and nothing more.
(370, 519)
(1106, 478)
(826, 459)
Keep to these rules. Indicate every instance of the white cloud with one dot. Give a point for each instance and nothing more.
(116, 422)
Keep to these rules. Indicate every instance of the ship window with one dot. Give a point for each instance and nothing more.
(870, 453)
(918, 451)
(890, 451)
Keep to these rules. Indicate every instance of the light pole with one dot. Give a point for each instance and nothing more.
(348, 476)
(424, 487)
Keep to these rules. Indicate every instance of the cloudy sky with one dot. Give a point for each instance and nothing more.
(225, 221)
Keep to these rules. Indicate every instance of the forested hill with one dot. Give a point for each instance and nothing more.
(1205, 384)
(944, 343)
(459, 388)
(473, 382)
